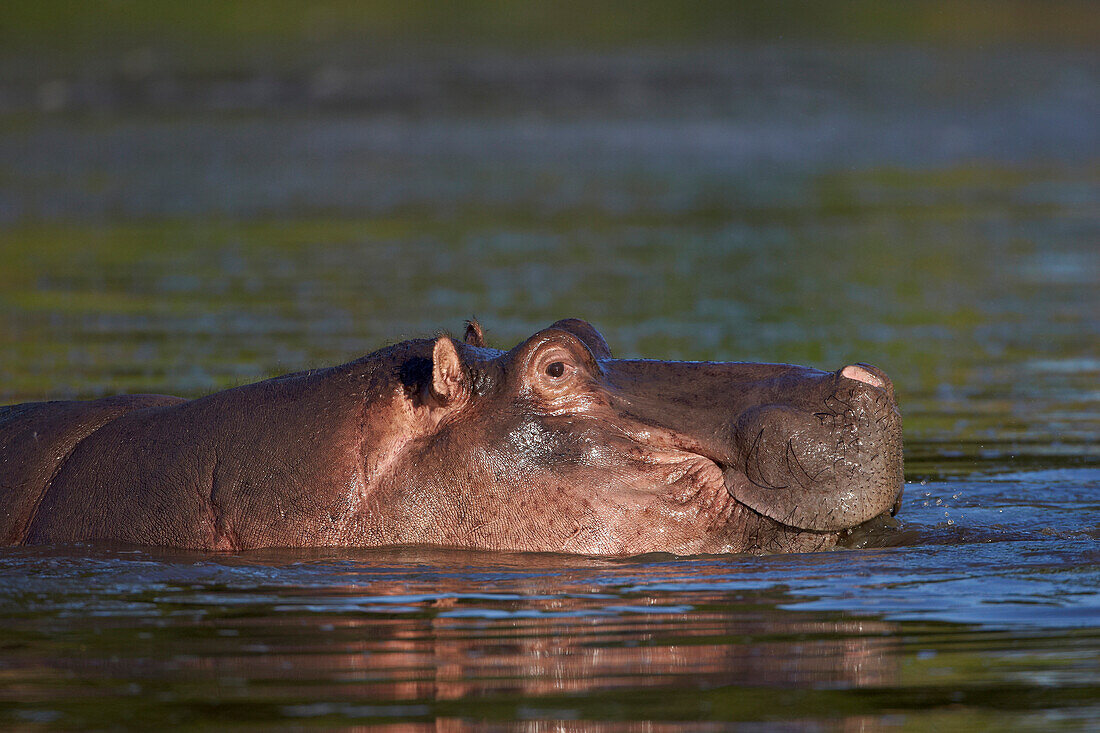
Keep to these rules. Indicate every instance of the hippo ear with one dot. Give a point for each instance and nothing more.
(450, 383)
(474, 335)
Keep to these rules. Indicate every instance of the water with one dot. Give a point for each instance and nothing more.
(972, 615)
(179, 224)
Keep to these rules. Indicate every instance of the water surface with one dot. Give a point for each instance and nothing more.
(973, 616)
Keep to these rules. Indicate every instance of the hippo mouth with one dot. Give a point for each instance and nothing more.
(816, 509)
(823, 512)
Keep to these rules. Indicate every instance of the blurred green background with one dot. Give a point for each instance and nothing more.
(241, 27)
(194, 196)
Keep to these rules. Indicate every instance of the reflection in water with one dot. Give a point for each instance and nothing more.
(561, 639)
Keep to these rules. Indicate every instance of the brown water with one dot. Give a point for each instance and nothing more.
(935, 211)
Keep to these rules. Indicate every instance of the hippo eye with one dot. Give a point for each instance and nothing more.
(555, 369)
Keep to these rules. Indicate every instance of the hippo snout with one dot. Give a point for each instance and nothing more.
(824, 462)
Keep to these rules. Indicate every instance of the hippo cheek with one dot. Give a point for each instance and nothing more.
(820, 472)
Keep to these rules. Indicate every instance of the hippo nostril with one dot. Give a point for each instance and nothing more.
(869, 375)
(861, 374)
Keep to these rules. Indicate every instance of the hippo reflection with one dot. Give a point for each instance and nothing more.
(551, 446)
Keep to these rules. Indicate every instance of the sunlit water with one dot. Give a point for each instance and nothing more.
(934, 212)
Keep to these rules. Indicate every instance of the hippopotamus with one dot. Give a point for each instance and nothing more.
(551, 446)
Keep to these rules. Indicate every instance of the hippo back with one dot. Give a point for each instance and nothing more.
(35, 440)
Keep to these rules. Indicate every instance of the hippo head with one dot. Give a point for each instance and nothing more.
(556, 446)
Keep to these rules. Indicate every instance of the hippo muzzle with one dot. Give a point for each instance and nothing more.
(824, 464)
(811, 450)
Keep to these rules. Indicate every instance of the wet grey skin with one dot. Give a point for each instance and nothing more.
(552, 446)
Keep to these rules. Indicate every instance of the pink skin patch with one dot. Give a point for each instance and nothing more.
(860, 374)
